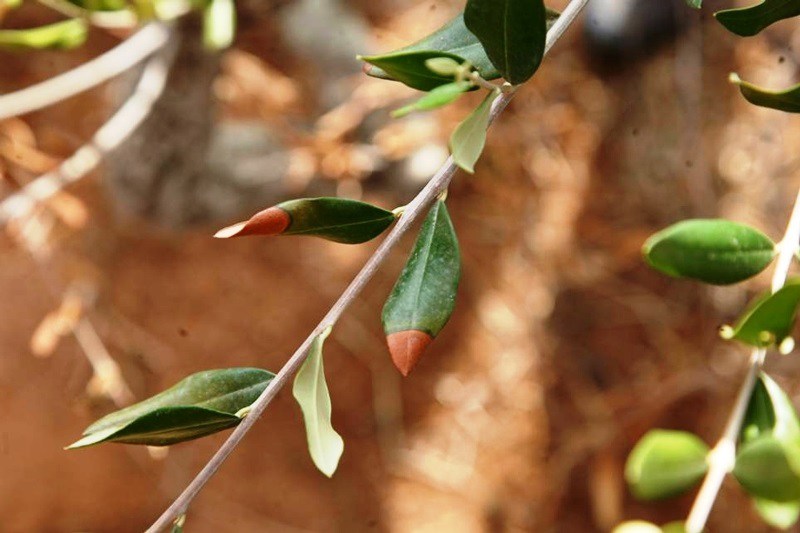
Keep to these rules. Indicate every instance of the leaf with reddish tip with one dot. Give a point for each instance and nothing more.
(334, 219)
(424, 296)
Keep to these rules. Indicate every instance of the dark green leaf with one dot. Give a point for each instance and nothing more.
(334, 219)
(665, 463)
(787, 100)
(512, 33)
(769, 319)
(767, 468)
(779, 515)
(65, 34)
(759, 419)
(454, 38)
(201, 404)
(749, 21)
(311, 391)
(469, 137)
(424, 296)
(410, 68)
(438, 97)
(712, 250)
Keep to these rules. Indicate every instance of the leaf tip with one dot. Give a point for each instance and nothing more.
(270, 221)
(406, 348)
(734, 78)
(230, 231)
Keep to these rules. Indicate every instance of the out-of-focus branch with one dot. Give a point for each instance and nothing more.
(722, 457)
(437, 184)
(90, 74)
(118, 128)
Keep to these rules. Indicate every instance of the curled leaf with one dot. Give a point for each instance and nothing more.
(423, 298)
(199, 405)
(334, 219)
(311, 391)
(786, 100)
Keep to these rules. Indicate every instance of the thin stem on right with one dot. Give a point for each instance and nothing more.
(722, 457)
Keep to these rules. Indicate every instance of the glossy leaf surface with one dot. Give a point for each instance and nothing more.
(334, 219)
(438, 97)
(512, 33)
(201, 404)
(64, 34)
(747, 21)
(311, 391)
(469, 137)
(665, 463)
(787, 100)
(711, 250)
(770, 318)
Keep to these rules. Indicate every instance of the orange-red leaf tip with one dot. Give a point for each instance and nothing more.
(407, 347)
(270, 221)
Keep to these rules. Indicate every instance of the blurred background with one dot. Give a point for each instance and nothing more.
(563, 349)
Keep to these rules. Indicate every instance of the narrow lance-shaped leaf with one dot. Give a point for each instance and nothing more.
(411, 67)
(712, 250)
(65, 34)
(424, 296)
(769, 319)
(768, 468)
(512, 33)
(334, 219)
(748, 21)
(665, 463)
(311, 392)
(452, 38)
(781, 515)
(199, 405)
(219, 24)
(438, 97)
(469, 137)
(787, 100)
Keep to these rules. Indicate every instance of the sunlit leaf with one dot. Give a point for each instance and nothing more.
(747, 21)
(787, 100)
(712, 250)
(438, 97)
(334, 219)
(469, 137)
(769, 319)
(311, 391)
(454, 38)
(199, 405)
(767, 468)
(781, 515)
(424, 296)
(512, 33)
(219, 24)
(64, 34)
(665, 463)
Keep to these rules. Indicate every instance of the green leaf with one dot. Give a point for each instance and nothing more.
(334, 219)
(636, 526)
(674, 527)
(410, 67)
(454, 39)
(697, 4)
(219, 24)
(438, 97)
(665, 463)
(781, 515)
(712, 250)
(198, 405)
(424, 296)
(311, 392)
(748, 21)
(512, 33)
(787, 100)
(469, 137)
(769, 319)
(770, 411)
(767, 468)
(64, 34)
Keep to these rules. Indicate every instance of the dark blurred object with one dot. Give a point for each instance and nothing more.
(619, 32)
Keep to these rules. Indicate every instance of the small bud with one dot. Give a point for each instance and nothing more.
(786, 346)
(444, 66)
(726, 332)
(766, 337)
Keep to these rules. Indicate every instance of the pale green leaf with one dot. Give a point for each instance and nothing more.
(469, 137)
